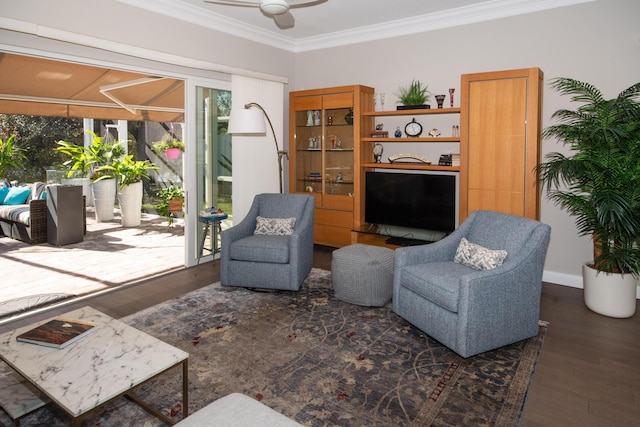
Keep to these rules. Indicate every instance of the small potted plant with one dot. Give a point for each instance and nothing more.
(172, 199)
(171, 148)
(413, 96)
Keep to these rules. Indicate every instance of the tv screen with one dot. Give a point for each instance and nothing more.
(411, 200)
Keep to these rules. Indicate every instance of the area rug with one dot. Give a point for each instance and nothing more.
(321, 362)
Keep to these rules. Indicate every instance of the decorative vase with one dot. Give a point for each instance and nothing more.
(609, 294)
(104, 198)
(440, 100)
(349, 117)
(130, 199)
(172, 153)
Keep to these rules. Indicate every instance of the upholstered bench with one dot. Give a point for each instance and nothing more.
(363, 274)
(237, 410)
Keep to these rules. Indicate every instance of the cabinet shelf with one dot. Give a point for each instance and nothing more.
(411, 166)
(412, 112)
(404, 139)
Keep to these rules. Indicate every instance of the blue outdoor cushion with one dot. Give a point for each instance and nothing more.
(17, 196)
(3, 194)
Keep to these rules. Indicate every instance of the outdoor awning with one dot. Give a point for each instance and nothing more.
(37, 86)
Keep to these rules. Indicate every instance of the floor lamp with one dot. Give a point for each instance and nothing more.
(248, 121)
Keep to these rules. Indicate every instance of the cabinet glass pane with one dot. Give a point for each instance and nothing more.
(338, 151)
(308, 151)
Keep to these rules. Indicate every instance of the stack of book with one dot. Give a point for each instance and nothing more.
(449, 160)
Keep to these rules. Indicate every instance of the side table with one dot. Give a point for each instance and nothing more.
(209, 220)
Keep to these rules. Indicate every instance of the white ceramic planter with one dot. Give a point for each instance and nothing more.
(104, 199)
(612, 295)
(130, 199)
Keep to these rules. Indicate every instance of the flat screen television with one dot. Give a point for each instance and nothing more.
(412, 200)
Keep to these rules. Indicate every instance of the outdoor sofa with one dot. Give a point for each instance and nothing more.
(23, 212)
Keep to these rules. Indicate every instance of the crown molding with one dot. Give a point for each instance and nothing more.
(205, 18)
(482, 12)
(487, 11)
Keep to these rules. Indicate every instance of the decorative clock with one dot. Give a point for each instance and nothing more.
(413, 128)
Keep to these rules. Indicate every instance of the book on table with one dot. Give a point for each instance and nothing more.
(58, 332)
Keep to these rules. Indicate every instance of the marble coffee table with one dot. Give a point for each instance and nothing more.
(104, 365)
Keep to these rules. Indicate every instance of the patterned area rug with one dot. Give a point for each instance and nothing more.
(319, 361)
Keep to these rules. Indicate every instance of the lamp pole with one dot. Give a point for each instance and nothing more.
(281, 153)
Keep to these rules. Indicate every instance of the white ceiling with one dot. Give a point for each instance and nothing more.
(340, 22)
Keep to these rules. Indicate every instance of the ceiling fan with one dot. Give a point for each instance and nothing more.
(276, 9)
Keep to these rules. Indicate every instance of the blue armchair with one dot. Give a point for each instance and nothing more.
(468, 310)
(270, 261)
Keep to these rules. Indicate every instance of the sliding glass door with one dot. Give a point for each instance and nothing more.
(210, 157)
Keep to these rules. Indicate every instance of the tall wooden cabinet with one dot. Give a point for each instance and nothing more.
(324, 141)
(500, 142)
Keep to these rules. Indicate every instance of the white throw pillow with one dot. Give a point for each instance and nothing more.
(478, 257)
(274, 226)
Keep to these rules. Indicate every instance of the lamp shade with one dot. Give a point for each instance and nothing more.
(246, 121)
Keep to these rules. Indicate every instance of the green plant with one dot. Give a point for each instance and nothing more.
(127, 170)
(162, 146)
(166, 195)
(88, 160)
(10, 155)
(599, 182)
(414, 94)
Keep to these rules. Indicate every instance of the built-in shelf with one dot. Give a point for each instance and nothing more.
(405, 139)
(412, 112)
(411, 166)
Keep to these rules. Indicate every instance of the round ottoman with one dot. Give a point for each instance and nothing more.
(363, 274)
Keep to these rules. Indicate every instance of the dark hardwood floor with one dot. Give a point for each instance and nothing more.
(588, 374)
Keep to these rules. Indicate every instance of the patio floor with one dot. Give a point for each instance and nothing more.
(110, 256)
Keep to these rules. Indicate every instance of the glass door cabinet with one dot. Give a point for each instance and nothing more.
(324, 135)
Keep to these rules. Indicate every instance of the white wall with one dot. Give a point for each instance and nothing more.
(597, 42)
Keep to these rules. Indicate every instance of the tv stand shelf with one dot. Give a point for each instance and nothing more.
(411, 166)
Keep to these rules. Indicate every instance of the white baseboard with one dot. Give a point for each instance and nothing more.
(569, 280)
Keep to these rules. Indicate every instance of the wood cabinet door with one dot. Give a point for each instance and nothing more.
(500, 145)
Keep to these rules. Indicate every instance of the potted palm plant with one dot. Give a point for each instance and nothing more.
(599, 184)
(10, 155)
(129, 174)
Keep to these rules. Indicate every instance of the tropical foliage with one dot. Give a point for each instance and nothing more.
(88, 160)
(11, 156)
(127, 170)
(599, 182)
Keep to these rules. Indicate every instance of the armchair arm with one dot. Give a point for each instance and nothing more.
(507, 298)
(242, 229)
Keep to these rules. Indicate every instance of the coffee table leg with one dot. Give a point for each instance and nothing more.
(185, 388)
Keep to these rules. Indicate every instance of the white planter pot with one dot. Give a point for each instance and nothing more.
(130, 198)
(612, 295)
(104, 198)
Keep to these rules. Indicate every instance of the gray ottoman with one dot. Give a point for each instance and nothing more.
(363, 274)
